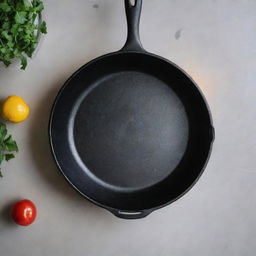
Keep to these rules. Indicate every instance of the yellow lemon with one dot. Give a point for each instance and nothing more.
(15, 109)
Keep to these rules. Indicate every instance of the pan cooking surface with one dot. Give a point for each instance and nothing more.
(129, 130)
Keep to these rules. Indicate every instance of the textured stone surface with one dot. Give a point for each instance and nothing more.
(215, 42)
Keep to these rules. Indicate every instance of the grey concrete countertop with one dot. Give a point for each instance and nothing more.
(215, 42)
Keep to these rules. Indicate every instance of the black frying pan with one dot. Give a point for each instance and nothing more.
(130, 130)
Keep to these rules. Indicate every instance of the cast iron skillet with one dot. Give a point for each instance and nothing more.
(130, 130)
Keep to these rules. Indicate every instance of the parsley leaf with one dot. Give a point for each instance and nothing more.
(3, 133)
(20, 17)
(1, 157)
(7, 145)
(4, 6)
(10, 144)
(43, 27)
(19, 31)
(9, 156)
(24, 61)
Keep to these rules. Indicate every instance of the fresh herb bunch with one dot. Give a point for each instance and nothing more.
(18, 29)
(7, 145)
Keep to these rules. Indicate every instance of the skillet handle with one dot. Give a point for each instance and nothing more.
(131, 215)
(133, 19)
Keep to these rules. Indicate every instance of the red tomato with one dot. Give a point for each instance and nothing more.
(24, 212)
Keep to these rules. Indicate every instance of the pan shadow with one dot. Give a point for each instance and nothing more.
(41, 153)
(38, 138)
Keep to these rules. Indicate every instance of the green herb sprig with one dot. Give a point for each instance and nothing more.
(8, 146)
(18, 29)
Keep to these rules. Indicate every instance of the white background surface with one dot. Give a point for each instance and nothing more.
(217, 47)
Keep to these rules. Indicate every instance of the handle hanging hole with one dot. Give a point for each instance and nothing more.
(133, 2)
